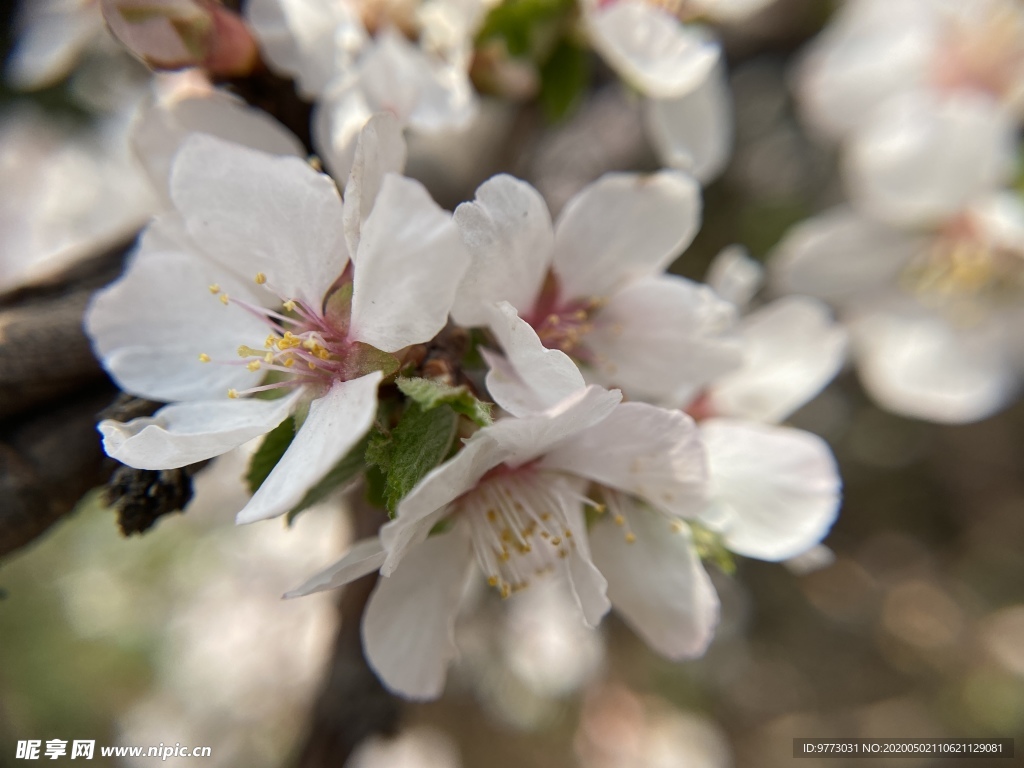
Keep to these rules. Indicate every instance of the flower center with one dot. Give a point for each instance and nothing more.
(965, 270)
(563, 324)
(305, 345)
(518, 523)
(985, 54)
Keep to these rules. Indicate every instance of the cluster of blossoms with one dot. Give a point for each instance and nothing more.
(527, 397)
(926, 264)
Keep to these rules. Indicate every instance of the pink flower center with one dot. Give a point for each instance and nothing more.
(984, 54)
(561, 323)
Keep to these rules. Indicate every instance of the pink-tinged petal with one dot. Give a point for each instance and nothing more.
(651, 49)
(923, 157)
(694, 132)
(150, 327)
(839, 254)
(365, 556)
(792, 348)
(549, 373)
(735, 276)
(256, 212)
(162, 126)
(644, 450)
(336, 422)
(662, 334)
(409, 624)
(777, 489)
(427, 503)
(409, 264)
(380, 149)
(917, 363)
(507, 231)
(623, 227)
(184, 433)
(657, 582)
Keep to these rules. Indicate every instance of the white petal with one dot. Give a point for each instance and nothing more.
(549, 374)
(380, 149)
(622, 227)
(694, 132)
(409, 624)
(184, 433)
(336, 122)
(409, 264)
(150, 326)
(507, 231)
(261, 213)
(336, 422)
(650, 49)
(792, 348)
(161, 127)
(920, 364)
(365, 556)
(777, 488)
(427, 503)
(840, 254)
(650, 452)
(507, 388)
(307, 39)
(657, 583)
(923, 158)
(735, 276)
(661, 334)
(589, 585)
(52, 35)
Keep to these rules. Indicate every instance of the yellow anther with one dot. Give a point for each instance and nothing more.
(203, 357)
(312, 366)
(270, 341)
(568, 533)
(214, 289)
(556, 541)
(254, 365)
(268, 358)
(233, 394)
(505, 591)
(630, 537)
(492, 515)
(289, 362)
(620, 520)
(260, 278)
(224, 299)
(600, 508)
(289, 305)
(492, 581)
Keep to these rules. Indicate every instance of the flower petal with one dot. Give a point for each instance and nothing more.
(623, 227)
(792, 350)
(644, 450)
(651, 49)
(337, 120)
(150, 326)
(336, 422)
(409, 264)
(923, 158)
(735, 276)
(778, 489)
(549, 374)
(507, 231)
(661, 334)
(916, 362)
(380, 149)
(589, 585)
(261, 213)
(657, 583)
(184, 433)
(694, 132)
(365, 556)
(409, 623)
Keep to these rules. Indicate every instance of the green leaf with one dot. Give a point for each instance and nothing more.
(418, 444)
(269, 453)
(517, 22)
(346, 469)
(564, 78)
(429, 394)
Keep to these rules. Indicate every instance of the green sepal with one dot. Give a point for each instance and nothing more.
(274, 444)
(564, 79)
(429, 394)
(362, 359)
(711, 548)
(521, 23)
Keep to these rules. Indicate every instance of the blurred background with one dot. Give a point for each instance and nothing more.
(911, 626)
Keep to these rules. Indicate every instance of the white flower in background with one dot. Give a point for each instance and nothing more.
(927, 94)
(325, 322)
(935, 315)
(358, 58)
(593, 285)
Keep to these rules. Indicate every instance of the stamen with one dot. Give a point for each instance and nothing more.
(260, 278)
(203, 357)
(214, 289)
(224, 299)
